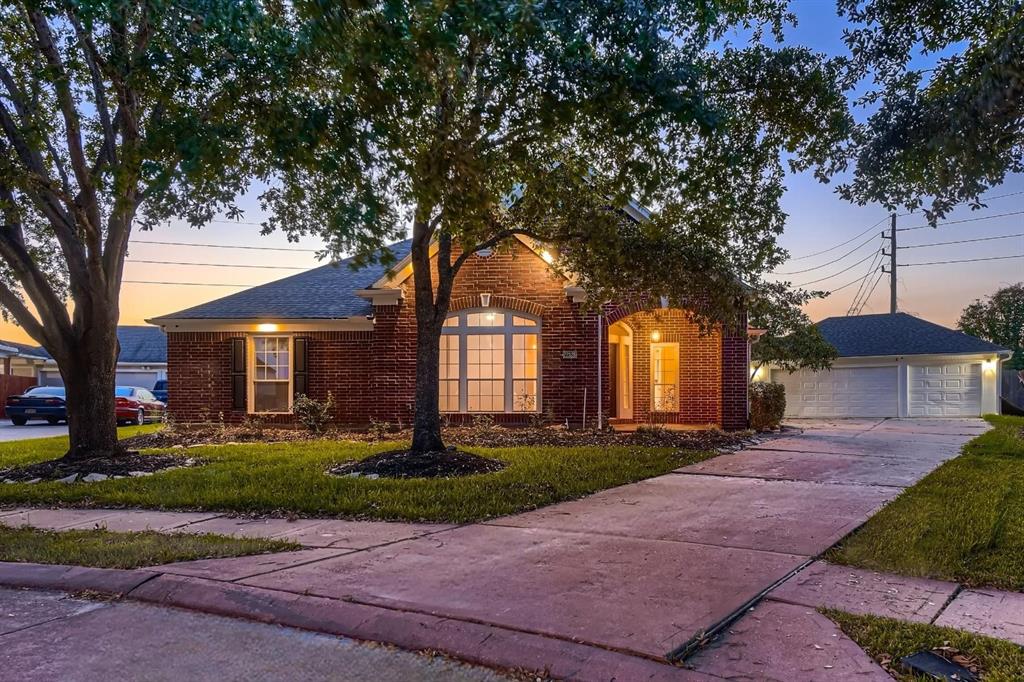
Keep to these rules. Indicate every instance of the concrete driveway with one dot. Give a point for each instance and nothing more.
(608, 584)
(9, 431)
(643, 568)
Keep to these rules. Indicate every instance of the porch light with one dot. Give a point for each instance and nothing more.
(546, 255)
(656, 336)
(267, 327)
(485, 301)
(988, 366)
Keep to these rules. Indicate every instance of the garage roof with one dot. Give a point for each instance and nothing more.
(898, 334)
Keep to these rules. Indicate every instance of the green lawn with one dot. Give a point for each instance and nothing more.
(962, 522)
(289, 478)
(885, 639)
(124, 550)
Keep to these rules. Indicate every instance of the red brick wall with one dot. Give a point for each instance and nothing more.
(372, 374)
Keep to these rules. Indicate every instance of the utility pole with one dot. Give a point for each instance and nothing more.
(892, 262)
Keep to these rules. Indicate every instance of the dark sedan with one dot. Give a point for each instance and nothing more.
(39, 402)
(133, 405)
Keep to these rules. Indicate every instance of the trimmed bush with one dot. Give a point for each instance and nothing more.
(767, 405)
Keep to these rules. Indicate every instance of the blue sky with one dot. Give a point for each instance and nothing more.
(818, 219)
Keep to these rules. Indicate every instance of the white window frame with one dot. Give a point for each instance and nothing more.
(251, 371)
(509, 330)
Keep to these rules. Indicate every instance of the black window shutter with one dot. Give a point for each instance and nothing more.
(300, 371)
(238, 387)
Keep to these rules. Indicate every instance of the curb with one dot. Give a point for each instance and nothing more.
(478, 643)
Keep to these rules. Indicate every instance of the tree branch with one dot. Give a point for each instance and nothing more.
(95, 62)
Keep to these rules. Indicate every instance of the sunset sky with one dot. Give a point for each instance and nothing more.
(818, 220)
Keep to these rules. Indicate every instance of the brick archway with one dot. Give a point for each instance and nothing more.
(511, 303)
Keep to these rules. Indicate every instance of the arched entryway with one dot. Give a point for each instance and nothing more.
(620, 370)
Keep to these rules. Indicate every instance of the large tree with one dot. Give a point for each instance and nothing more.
(474, 121)
(999, 319)
(948, 99)
(114, 114)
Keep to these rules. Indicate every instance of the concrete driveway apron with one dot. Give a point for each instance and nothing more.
(643, 568)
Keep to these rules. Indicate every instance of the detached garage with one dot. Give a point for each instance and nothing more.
(896, 366)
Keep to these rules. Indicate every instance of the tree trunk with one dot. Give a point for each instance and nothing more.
(426, 430)
(426, 426)
(90, 377)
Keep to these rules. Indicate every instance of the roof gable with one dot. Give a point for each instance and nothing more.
(898, 334)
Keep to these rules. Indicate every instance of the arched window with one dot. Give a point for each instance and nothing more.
(490, 362)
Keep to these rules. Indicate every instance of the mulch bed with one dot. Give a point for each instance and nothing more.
(473, 436)
(122, 465)
(448, 463)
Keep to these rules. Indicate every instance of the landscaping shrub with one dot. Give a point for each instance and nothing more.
(313, 414)
(767, 406)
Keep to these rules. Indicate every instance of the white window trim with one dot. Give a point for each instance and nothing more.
(250, 374)
(508, 330)
(679, 371)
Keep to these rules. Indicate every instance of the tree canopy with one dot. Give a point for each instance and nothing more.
(950, 128)
(472, 121)
(789, 340)
(113, 114)
(999, 318)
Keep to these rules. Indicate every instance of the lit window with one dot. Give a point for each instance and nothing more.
(665, 377)
(271, 374)
(490, 362)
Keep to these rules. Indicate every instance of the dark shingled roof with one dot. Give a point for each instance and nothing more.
(142, 343)
(897, 334)
(327, 292)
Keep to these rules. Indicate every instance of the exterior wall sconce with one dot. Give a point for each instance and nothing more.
(656, 336)
(547, 257)
(988, 366)
(485, 300)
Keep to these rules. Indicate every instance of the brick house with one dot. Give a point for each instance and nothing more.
(518, 343)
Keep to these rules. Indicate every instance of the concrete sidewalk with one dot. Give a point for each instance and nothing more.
(48, 636)
(613, 582)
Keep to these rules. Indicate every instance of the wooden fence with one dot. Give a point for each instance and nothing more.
(1013, 391)
(12, 385)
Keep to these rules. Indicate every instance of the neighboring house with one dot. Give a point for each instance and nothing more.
(518, 343)
(142, 362)
(896, 365)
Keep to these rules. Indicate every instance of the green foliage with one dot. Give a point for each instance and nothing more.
(290, 477)
(999, 319)
(767, 405)
(948, 131)
(107, 549)
(313, 414)
(790, 340)
(962, 522)
(888, 639)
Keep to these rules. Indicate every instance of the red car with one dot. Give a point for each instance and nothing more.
(136, 405)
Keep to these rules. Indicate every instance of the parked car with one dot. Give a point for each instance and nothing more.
(160, 390)
(136, 405)
(39, 402)
(132, 404)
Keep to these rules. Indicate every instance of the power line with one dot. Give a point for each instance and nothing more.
(216, 265)
(957, 222)
(833, 248)
(224, 246)
(963, 241)
(836, 260)
(849, 284)
(188, 284)
(872, 267)
(963, 260)
(867, 298)
(978, 200)
(836, 274)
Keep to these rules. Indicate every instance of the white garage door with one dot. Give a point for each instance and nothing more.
(952, 390)
(841, 392)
